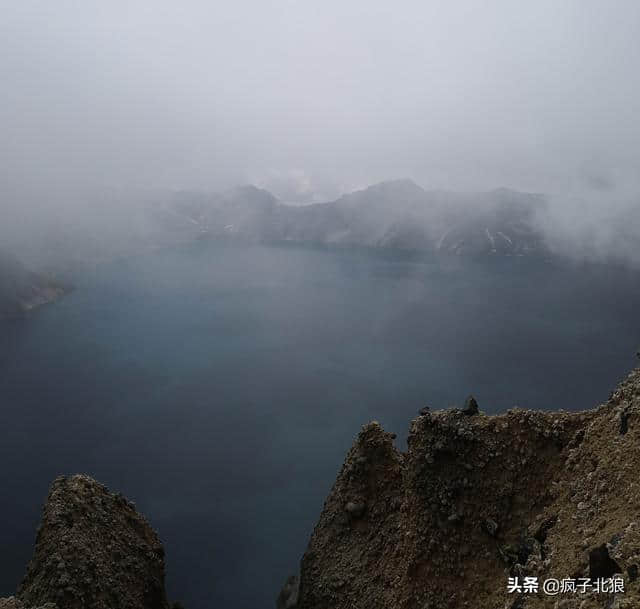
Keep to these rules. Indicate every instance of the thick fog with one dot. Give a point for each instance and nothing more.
(313, 99)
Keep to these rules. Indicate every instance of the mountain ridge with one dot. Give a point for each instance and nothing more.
(396, 214)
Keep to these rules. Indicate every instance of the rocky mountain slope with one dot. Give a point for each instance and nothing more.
(21, 289)
(93, 550)
(397, 214)
(477, 500)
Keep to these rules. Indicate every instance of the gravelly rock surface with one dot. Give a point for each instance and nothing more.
(13, 603)
(93, 551)
(477, 499)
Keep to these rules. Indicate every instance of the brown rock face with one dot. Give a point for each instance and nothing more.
(478, 499)
(13, 603)
(93, 551)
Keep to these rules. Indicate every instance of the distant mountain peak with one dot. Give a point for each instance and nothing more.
(253, 193)
(397, 186)
(397, 214)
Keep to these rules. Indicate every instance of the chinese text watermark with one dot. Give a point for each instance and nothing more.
(568, 585)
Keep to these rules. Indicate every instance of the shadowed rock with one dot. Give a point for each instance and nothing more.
(470, 406)
(93, 551)
(288, 597)
(601, 565)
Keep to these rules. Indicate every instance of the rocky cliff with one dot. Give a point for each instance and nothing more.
(93, 551)
(479, 512)
(476, 500)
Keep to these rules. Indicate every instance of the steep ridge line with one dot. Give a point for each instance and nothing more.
(476, 500)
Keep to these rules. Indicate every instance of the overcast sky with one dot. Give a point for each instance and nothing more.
(541, 95)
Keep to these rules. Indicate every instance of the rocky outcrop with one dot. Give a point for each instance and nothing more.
(474, 502)
(93, 551)
(478, 499)
(22, 290)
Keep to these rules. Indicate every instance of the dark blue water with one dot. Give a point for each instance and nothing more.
(220, 386)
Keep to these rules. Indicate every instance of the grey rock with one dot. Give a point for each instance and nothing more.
(470, 406)
(356, 509)
(288, 597)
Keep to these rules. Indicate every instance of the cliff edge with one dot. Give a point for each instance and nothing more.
(93, 551)
(476, 507)
(477, 500)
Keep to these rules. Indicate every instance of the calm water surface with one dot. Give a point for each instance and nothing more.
(220, 386)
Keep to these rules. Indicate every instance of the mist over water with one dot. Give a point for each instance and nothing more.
(219, 386)
(315, 101)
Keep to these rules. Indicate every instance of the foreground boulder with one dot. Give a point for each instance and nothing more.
(93, 551)
(477, 500)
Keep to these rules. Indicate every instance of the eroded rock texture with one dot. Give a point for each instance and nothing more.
(93, 551)
(477, 499)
